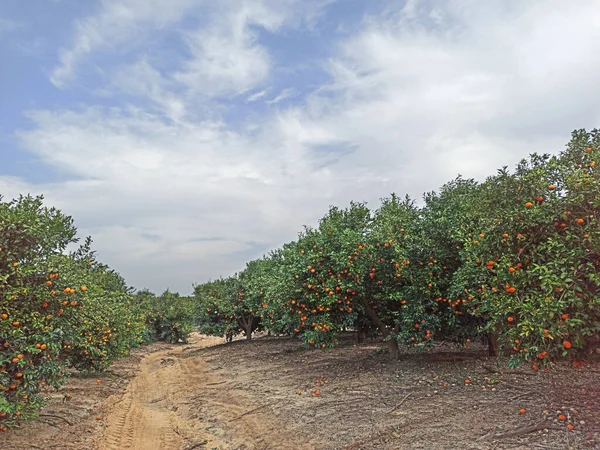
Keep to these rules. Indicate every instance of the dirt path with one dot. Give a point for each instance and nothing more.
(245, 396)
(146, 417)
(177, 402)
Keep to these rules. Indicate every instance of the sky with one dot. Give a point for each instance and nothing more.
(188, 137)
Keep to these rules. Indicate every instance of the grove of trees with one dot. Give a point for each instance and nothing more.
(61, 311)
(513, 260)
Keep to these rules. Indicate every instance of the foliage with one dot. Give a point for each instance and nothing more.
(60, 311)
(169, 317)
(513, 259)
(533, 273)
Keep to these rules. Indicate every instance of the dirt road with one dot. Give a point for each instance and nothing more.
(152, 414)
(176, 402)
(274, 394)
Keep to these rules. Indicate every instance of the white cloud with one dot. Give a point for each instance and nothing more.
(285, 93)
(257, 95)
(144, 81)
(227, 58)
(175, 194)
(117, 24)
(483, 86)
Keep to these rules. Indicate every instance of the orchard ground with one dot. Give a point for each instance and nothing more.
(273, 393)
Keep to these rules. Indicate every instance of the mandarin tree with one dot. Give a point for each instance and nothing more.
(169, 317)
(58, 310)
(536, 271)
(223, 309)
(448, 219)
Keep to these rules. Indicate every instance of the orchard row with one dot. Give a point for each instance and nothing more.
(61, 311)
(514, 260)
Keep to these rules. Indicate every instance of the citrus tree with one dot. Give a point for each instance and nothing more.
(448, 219)
(169, 317)
(346, 273)
(61, 310)
(31, 319)
(533, 273)
(223, 309)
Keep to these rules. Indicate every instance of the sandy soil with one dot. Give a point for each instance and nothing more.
(263, 395)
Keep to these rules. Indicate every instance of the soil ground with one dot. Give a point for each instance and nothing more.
(245, 396)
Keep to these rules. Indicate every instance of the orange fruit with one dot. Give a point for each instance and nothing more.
(528, 205)
(522, 411)
(567, 344)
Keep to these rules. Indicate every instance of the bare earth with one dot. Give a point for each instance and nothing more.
(244, 396)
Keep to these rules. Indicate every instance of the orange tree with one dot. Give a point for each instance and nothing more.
(533, 272)
(169, 317)
(224, 310)
(447, 219)
(102, 322)
(514, 258)
(57, 310)
(31, 322)
(113, 320)
(347, 270)
(259, 281)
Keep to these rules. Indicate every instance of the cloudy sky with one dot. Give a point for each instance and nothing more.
(190, 136)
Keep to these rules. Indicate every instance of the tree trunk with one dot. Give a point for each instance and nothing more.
(493, 348)
(393, 349)
(360, 332)
(392, 343)
(246, 325)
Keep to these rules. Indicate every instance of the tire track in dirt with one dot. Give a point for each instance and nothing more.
(137, 421)
(176, 402)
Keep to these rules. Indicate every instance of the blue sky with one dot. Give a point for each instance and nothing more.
(188, 136)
